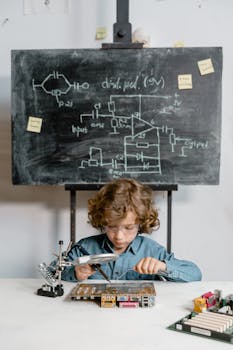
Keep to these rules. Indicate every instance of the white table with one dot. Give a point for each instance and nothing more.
(32, 322)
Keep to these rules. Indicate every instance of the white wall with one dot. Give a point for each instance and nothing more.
(33, 219)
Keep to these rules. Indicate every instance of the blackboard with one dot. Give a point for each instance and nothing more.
(104, 114)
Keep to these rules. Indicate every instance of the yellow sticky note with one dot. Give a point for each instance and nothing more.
(206, 66)
(101, 33)
(34, 124)
(179, 44)
(185, 81)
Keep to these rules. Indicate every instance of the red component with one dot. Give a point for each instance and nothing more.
(210, 299)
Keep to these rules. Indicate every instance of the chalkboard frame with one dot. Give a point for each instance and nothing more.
(20, 93)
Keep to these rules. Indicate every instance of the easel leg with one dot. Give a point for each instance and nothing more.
(72, 215)
(169, 220)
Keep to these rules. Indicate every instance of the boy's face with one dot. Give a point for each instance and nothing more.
(122, 233)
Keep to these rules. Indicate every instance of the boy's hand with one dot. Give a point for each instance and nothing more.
(82, 272)
(150, 266)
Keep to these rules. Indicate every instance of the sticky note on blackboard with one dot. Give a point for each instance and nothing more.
(206, 66)
(34, 124)
(185, 81)
(179, 44)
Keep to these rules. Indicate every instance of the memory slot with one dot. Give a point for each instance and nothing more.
(215, 318)
(214, 322)
(205, 325)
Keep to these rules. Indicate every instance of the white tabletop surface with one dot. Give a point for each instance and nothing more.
(32, 322)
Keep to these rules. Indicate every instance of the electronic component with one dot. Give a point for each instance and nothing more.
(116, 294)
(208, 324)
(212, 317)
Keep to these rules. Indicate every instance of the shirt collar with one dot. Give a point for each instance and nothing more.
(106, 244)
(133, 247)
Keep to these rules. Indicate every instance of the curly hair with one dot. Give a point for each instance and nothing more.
(114, 200)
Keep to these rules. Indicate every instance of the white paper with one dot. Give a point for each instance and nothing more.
(34, 7)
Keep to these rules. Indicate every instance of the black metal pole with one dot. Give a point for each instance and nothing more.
(72, 189)
(169, 220)
(72, 215)
(122, 28)
(123, 11)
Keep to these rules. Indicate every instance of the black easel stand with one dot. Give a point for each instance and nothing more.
(73, 189)
(72, 213)
(90, 187)
(122, 36)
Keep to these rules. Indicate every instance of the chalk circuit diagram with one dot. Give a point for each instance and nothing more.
(139, 148)
(141, 139)
(57, 85)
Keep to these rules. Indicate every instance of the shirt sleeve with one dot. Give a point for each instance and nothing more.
(179, 270)
(68, 274)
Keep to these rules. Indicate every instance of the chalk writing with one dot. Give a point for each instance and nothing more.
(206, 66)
(148, 114)
(77, 130)
(139, 154)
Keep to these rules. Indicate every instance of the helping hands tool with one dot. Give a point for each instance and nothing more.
(52, 274)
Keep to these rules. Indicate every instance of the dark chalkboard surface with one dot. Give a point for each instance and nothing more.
(88, 116)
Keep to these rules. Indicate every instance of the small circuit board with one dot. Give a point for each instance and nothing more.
(207, 324)
(212, 317)
(127, 295)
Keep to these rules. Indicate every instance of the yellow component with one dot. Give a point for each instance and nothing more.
(199, 304)
(108, 300)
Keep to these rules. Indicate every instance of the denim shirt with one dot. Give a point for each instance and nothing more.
(140, 247)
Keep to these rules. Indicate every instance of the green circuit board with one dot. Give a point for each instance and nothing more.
(209, 324)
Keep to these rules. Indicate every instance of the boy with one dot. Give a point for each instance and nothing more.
(122, 210)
